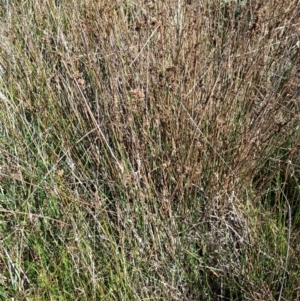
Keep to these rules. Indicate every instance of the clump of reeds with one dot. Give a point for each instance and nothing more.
(149, 150)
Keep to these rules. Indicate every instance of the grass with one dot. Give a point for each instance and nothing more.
(149, 150)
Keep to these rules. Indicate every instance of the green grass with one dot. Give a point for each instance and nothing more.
(149, 150)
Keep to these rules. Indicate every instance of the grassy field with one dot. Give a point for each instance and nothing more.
(149, 150)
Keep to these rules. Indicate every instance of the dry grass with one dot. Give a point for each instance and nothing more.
(149, 150)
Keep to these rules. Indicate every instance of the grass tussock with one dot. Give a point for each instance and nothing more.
(149, 150)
